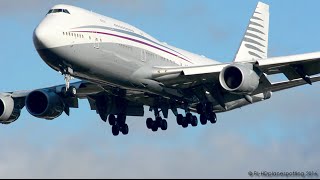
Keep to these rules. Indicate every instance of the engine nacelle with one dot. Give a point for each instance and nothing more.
(239, 79)
(44, 104)
(8, 113)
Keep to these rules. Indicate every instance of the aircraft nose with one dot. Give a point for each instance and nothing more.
(41, 37)
(45, 35)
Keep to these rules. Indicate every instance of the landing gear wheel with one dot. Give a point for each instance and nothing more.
(154, 127)
(121, 119)
(125, 129)
(149, 123)
(72, 91)
(185, 123)
(179, 119)
(64, 91)
(158, 122)
(115, 130)
(189, 118)
(203, 119)
(164, 125)
(194, 121)
(213, 118)
(112, 120)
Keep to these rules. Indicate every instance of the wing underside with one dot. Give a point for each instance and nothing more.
(203, 83)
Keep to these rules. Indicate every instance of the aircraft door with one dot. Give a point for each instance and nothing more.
(96, 39)
(143, 56)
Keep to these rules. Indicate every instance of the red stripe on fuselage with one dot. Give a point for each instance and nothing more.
(135, 40)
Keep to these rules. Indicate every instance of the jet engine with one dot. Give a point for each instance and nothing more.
(44, 104)
(8, 113)
(239, 79)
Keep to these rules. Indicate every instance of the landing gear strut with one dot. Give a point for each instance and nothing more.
(67, 78)
(67, 90)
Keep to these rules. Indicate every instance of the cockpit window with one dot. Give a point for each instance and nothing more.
(66, 11)
(58, 11)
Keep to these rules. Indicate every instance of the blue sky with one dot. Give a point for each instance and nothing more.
(280, 134)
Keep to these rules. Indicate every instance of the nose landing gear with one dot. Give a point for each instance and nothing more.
(68, 91)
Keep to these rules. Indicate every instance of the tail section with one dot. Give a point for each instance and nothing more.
(254, 45)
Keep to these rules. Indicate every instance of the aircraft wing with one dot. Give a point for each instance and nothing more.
(204, 81)
(102, 98)
(105, 99)
(83, 89)
(187, 77)
(291, 84)
(295, 68)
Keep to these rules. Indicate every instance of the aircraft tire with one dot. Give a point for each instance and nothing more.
(179, 119)
(194, 121)
(189, 118)
(125, 129)
(115, 130)
(164, 125)
(203, 119)
(149, 123)
(112, 120)
(213, 118)
(185, 123)
(72, 91)
(154, 127)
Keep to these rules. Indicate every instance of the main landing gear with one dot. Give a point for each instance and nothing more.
(206, 113)
(158, 123)
(154, 125)
(188, 119)
(118, 124)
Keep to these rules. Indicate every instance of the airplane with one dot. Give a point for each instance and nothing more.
(122, 69)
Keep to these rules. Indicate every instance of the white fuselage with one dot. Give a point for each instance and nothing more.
(104, 50)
